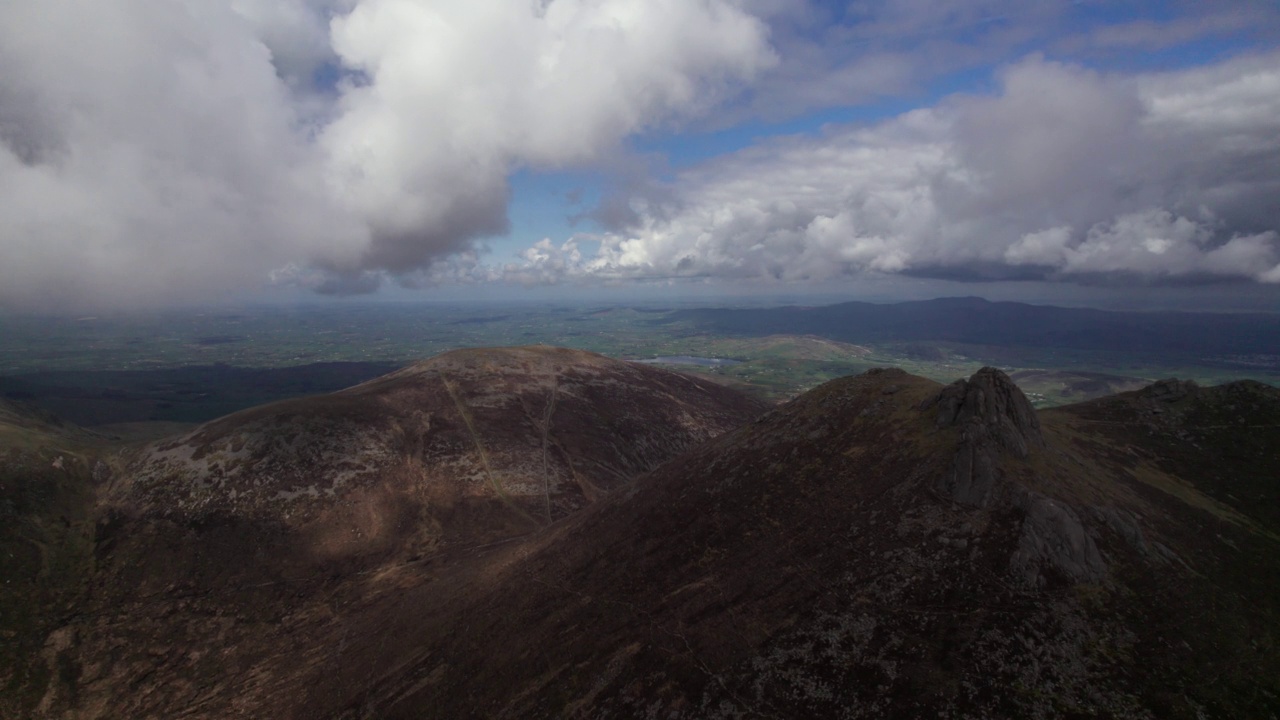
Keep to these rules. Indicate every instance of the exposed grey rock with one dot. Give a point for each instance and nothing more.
(1170, 390)
(1125, 525)
(995, 416)
(971, 479)
(994, 400)
(1053, 537)
(1168, 555)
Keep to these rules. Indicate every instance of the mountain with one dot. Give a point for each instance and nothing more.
(886, 547)
(882, 546)
(981, 322)
(268, 512)
(516, 436)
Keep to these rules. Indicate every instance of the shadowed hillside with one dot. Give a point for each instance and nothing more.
(48, 472)
(883, 546)
(216, 537)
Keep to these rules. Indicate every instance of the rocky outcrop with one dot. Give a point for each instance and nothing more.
(997, 421)
(1169, 390)
(990, 399)
(1053, 539)
(994, 417)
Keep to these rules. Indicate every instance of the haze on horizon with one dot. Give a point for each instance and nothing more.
(196, 151)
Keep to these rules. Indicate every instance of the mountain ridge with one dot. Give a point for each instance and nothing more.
(882, 545)
(797, 614)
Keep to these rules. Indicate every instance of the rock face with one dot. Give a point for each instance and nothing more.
(1053, 536)
(992, 401)
(994, 417)
(996, 420)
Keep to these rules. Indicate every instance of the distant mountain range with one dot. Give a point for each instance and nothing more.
(978, 321)
(536, 532)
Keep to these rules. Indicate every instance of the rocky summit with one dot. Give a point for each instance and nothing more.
(543, 533)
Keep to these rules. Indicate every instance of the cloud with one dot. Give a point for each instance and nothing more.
(147, 152)
(152, 152)
(837, 55)
(1065, 173)
(846, 54)
(1198, 21)
(459, 95)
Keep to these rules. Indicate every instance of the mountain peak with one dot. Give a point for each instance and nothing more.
(990, 399)
(994, 418)
(1169, 390)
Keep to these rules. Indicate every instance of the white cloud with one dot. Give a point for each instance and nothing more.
(1045, 247)
(1065, 173)
(177, 151)
(147, 152)
(151, 152)
(459, 94)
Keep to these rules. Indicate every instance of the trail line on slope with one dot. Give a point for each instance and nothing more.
(546, 433)
(484, 456)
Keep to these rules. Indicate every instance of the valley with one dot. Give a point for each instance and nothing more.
(135, 374)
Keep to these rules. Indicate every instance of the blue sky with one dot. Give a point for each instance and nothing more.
(550, 204)
(214, 149)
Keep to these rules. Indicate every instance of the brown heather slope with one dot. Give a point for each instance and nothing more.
(882, 546)
(48, 471)
(208, 542)
(542, 431)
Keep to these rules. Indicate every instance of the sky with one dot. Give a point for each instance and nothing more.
(154, 154)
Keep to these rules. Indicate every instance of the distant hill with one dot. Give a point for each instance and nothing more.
(882, 546)
(977, 321)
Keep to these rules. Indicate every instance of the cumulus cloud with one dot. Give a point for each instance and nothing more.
(147, 151)
(838, 54)
(1064, 173)
(158, 151)
(176, 151)
(459, 94)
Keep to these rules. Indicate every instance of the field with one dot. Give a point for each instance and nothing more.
(130, 375)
